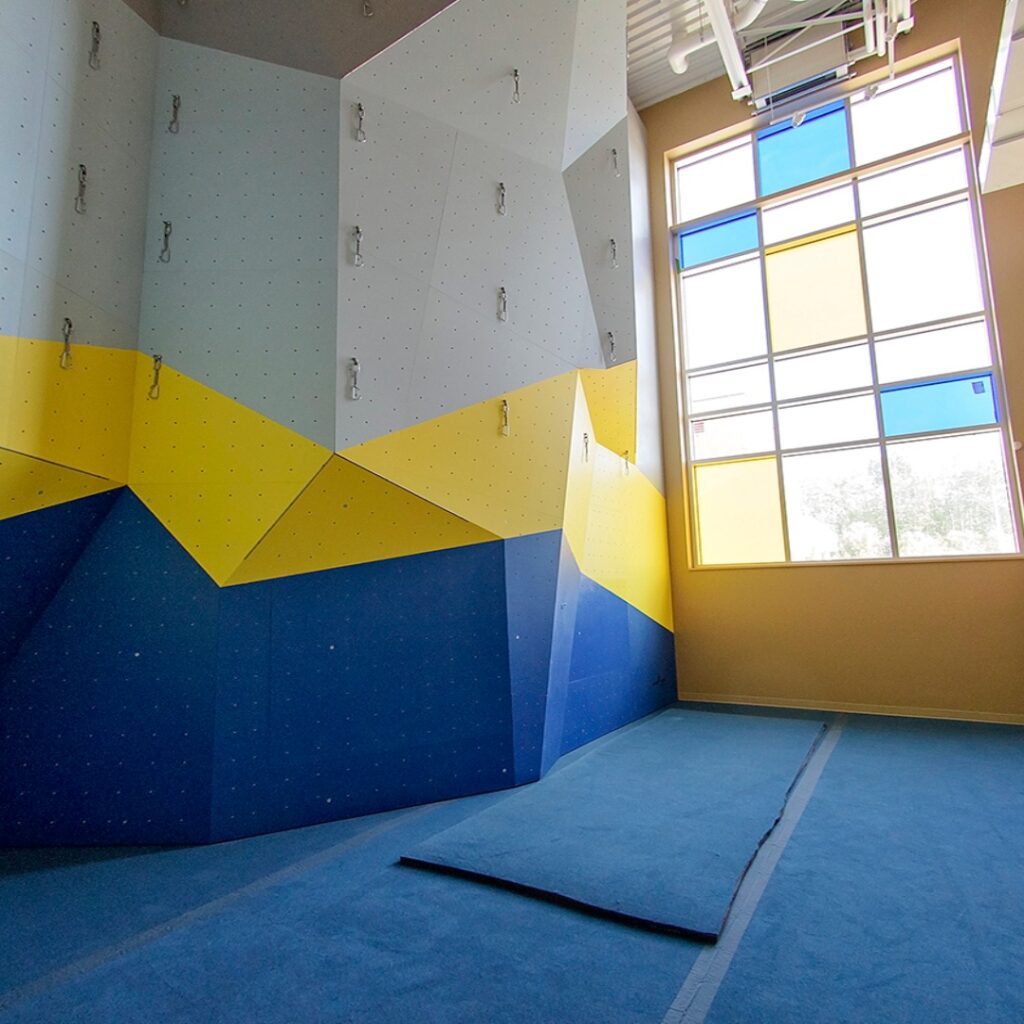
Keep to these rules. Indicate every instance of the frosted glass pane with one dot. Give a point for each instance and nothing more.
(835, 505)
(939, 405)
(790, 155)
(729, 389)
(805, 216)
(923, 267)
(926, 179)
(815, 294)
(950, 495)
(718, 240)
(929, 353)
(723, 314)
(910, 112)
(724, 436)
(738, 515)
(836, 370)
(832, 422)
(721, 179)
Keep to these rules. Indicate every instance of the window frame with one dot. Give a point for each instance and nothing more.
(961, 142)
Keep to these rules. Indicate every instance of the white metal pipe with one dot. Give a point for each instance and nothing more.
(684, 43)
(728, 47)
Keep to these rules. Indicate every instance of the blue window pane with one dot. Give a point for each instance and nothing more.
(939, 405)
(718, 239)
(820, 146)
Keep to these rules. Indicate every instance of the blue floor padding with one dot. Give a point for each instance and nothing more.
(60, 904)
(656, 825)
(360, 940)
(900, 897)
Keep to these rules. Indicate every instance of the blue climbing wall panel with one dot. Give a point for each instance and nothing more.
(148, 705)
(37, 550)
(623, 667)
(531, 583)
(376, 686)
(107, 708)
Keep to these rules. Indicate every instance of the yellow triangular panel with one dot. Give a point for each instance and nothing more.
(8, 354)
(27, 484)
(509, 485)
(348, 515)
(215, 473)
(580, 476)
(611, 397)
(78, 417)
(626, 547)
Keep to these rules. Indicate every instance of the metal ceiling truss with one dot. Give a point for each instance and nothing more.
(770, 49)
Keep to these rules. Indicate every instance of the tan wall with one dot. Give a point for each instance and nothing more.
(936, 638)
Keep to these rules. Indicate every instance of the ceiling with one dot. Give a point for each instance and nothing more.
(649, 34)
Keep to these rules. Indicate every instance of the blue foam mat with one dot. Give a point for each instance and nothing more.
(656, 825)
(900, 897)
(341, 936)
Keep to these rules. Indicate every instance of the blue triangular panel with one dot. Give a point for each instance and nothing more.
(37, 550)
(108, 705)
(566, 606)
(531, 585)
(623, 667)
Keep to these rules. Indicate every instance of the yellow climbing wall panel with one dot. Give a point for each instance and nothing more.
(627, 537)
(611, 397)
(348, 515)
(579, 476)
(215, 473)
(8, 351)
(79, 417)
(28, 484)
(508, 485)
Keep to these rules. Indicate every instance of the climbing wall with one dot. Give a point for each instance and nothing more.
(598, 187)
(75, 105)
(61, 113)
(466, 278)
(597, 86)
(392, 529)
(243, 296)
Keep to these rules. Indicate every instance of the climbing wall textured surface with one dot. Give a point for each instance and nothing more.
(385, 537)
(59, 114)
(246, 302)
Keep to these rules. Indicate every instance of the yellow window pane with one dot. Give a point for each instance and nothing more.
(739, 518)
(815, 292)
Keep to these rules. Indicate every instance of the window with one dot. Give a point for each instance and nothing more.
(842, 387)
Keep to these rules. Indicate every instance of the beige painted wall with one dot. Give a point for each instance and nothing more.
(935, 638)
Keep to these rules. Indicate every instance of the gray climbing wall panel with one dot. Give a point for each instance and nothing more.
(531, 250)
(598, 188)
(458, 68)
(442, 135)
(65, 113)
(597, 92)
(648, 398)
(420, 313)
(247, 302)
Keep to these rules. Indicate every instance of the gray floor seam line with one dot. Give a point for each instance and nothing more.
(108, 953)
(694, 999)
